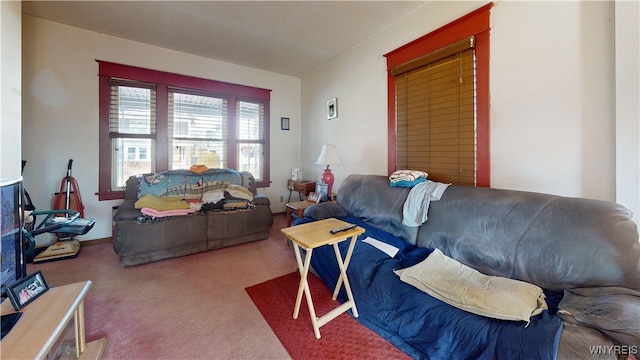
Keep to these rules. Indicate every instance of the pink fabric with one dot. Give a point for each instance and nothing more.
(165, 213)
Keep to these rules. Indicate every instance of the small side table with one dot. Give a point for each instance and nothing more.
(297, 207)
(313, 235)
(42, 330)
(303, 188)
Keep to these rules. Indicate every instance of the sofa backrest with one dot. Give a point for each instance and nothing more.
(552, 241)
(185, 183)
(370, 198)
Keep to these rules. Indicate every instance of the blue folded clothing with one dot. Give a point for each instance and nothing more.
(407, 183)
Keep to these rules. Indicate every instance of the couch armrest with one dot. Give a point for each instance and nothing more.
(248, 181)
(261, 199)
(131, 187)
(324, 210)
(127, 211)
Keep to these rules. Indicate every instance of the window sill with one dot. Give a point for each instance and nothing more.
(110, 195)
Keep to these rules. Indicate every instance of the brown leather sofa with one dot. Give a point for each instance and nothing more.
(140, 239)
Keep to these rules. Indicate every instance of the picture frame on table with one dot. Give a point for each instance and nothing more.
(314, 197)
(322, 190)
(26, 290)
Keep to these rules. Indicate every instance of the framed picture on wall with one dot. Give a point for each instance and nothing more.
(284, 123)
(332, 108)
(322, 190)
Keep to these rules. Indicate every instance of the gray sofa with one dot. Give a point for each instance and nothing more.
(140, 239)
(586, 251)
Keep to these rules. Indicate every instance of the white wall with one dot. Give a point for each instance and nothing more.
(60, 109)
(552, 107)
(627, 106)
(10, 89)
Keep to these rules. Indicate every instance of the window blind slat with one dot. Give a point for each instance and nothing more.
(197, 129)
(132, 110)
(455, 48)
(435, 107)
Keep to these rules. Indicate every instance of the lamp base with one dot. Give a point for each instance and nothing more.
(328, 179)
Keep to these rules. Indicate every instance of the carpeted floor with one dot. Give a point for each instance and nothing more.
(192, 307)
(196, 306)
(341, 338)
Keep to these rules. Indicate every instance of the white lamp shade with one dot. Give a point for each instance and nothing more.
(328, 156)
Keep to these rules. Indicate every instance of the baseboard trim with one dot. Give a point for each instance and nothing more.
(95, 241)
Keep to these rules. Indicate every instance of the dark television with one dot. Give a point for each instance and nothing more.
(12, 260)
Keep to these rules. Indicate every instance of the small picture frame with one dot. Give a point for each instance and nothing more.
(284, 123)
(26, 290)
(332, 108)
(322, 190)
(314, 197)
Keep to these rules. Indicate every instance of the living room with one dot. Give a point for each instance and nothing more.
(551, 147)
(563, 110)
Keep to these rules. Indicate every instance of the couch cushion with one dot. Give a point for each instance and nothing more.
(467, 289)
(613, 310)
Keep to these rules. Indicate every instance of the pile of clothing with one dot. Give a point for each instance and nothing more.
(407, 178)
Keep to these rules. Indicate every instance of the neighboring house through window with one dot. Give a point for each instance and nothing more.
(152, 121)
(438, 88)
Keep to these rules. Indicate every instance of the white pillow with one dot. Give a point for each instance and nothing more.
(212, 196)
(468, 289)
(239, 192)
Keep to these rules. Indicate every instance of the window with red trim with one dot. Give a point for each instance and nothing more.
(476, 25)
(153, 121)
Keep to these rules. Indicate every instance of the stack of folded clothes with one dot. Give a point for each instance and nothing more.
(407, 178)
(230, 197)
(155, 206)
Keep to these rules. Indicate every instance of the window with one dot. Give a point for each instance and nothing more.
(435, 114)
(439, 102)
(197, 130)
(153, 121)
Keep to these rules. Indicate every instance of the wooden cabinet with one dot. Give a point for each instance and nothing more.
(303, 188)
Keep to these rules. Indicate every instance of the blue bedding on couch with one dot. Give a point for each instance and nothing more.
(420, 325)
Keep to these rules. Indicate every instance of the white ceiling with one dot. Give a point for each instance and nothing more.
(288, 37)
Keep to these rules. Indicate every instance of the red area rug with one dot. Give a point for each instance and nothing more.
(341, 338)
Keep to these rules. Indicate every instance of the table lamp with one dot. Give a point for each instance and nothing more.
(328, 156)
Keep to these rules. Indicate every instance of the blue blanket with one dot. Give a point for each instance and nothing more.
(420, 325)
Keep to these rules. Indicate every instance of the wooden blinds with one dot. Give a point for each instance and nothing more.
(435, 113)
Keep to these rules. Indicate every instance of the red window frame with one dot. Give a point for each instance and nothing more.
(163, 80)
(475, 24)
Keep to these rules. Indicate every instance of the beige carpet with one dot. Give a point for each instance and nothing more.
(193, 307)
